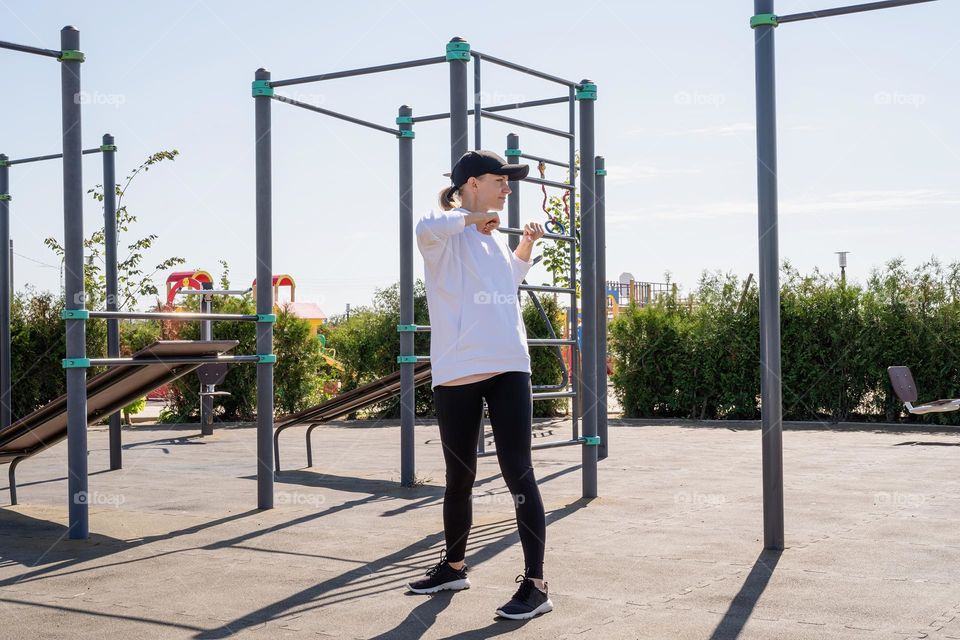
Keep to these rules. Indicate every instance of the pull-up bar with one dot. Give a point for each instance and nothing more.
(53, 156)
(50, 53)
(359, 72)
(498, 107)
(523, 69)
(774, 20)
(335, 114)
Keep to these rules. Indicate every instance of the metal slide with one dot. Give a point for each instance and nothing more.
(107, 393)
(347, 402)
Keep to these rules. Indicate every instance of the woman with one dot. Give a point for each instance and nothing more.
(478, 351)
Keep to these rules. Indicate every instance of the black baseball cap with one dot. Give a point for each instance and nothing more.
(474, 164)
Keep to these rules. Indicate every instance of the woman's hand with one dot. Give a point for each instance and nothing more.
(532, 231)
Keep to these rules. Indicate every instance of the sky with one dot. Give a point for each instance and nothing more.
(869, 148)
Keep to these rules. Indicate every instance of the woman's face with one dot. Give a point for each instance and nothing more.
(491, 192)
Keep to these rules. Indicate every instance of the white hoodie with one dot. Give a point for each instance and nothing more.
(471, 280)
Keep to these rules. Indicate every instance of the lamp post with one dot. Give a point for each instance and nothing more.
(842, 258)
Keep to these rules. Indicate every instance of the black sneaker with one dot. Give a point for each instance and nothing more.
(441, 577)
(527, 602)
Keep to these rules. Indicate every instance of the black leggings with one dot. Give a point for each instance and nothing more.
(460, 413)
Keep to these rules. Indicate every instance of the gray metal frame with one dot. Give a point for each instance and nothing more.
(767, 205)
(593, 378)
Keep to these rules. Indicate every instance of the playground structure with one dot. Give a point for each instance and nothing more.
(587, 388)
(763, 24)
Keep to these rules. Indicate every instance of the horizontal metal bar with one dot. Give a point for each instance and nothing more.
(551, 395)
(334, 114)
(545, 160)
(546, 288)
(539, 445)
(359, 72)
(523, 69)
(172, 315)
(140, 362)
(219, 292)
(548, 342)
(549, 236)
(50, 53)
(52, 156)
(550, 183)
(499, 107)
(839, 11)
(527, 125)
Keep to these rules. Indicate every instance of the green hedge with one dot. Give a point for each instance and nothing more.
(699, 357)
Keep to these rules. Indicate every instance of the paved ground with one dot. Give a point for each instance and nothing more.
(671, 550)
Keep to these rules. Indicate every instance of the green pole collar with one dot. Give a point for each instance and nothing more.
(266, 317)
(406, 134)
(71, 55)
(591, 441)
(5, 197)
(601, 172)
(76, 363)
(404, 119)
(458, 51)
(262, 88)
(587, 91)
(268, 358)
(406, 359)
(513, 152)
(403, 328)
(108, 147)
(4, 163)
(764, 20)
(75, 314)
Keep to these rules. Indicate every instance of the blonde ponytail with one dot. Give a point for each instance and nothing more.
(449, 198)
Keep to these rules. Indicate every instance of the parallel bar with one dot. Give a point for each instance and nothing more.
(264, 271)
(50, 53)
(771, 412)
(523, 69)
(334, 114)
(547, 236)
(555, 163)
(172, 315)
(73, 195)
(110, 258)
(408, 385)
(499, 107)
(527, 125)
(546, 342)
(359, 72)
(539, 445)
(550, 183)
(141, 362)
(52, 156)
(839, 11)
(545, 288)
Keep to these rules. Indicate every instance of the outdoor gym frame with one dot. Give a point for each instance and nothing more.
(588, 390)
(763, 23)
(76, 315)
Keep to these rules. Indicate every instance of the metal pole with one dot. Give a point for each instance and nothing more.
(513, 200)
(458, 52)
(73, 286)
(477, 106)
(264, 296)
(110, 254)
(6, 295)
(407, 384)
(206, 400)
(586, 96)
(770, 392)
(600, 236)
